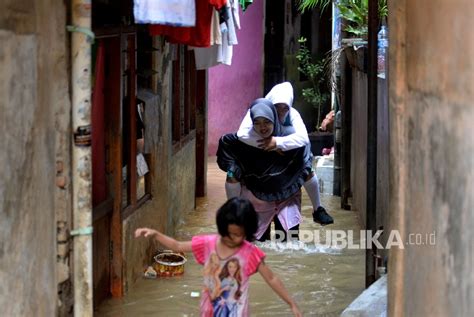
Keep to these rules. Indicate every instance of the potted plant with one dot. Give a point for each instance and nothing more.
(355, 14)
(314, 71)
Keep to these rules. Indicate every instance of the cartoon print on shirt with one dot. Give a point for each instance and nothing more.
(211, 276)
(227, 304)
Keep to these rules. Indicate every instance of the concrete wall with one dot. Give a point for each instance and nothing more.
(34, 114)
(181, 183)
(173, 178)
(232, 88)
(431, 95)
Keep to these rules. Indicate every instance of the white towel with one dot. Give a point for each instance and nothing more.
(168, 12)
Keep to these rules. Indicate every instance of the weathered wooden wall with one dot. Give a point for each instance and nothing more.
(359, 148)
(359, 144)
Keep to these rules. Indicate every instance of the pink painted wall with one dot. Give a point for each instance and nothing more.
(232, 88)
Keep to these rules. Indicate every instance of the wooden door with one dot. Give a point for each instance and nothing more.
(105, 174)
(274, 38)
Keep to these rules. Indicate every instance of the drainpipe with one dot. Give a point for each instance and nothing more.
(81, 39)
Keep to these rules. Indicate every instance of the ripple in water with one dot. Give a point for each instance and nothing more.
(295, 246)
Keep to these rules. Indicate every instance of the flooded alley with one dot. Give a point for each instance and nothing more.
(112, 112)
(323, 280)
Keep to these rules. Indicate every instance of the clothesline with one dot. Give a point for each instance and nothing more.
(208, 27)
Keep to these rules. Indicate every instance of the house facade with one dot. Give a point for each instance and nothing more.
(148, 104)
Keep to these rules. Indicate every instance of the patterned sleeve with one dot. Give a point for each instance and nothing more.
(254, 260)
(199, 246)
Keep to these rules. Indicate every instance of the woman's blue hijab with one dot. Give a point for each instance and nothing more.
(269, 175)
(262, 107)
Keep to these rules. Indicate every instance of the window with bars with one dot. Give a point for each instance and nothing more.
(136, 164)
(183, 96)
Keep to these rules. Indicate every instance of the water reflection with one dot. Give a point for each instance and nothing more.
(323, 279)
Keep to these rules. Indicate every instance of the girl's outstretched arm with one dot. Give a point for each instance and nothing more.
(170, 243)
(276, 284)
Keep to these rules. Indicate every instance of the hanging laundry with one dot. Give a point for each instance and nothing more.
(235, 13)
(221, 53)
(233, 21)
(229, 39)
(199, 35)
(167, 12)
(225, 53)
(206, 57)
(245, 3)
(216, 34)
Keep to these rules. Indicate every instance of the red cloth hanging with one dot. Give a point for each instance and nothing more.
(199, 35)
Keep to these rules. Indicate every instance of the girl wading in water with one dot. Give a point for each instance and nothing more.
(238, 258)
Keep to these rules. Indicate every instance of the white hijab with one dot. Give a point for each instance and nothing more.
(281, 93)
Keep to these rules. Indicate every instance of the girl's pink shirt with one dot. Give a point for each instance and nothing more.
(235, 302)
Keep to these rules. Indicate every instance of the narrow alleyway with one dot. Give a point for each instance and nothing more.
(324, 280)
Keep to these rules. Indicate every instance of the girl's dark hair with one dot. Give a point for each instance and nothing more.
(240, 212)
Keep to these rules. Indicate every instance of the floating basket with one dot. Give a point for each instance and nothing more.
(168, 263)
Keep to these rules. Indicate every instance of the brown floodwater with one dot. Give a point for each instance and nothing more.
(323, 279)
